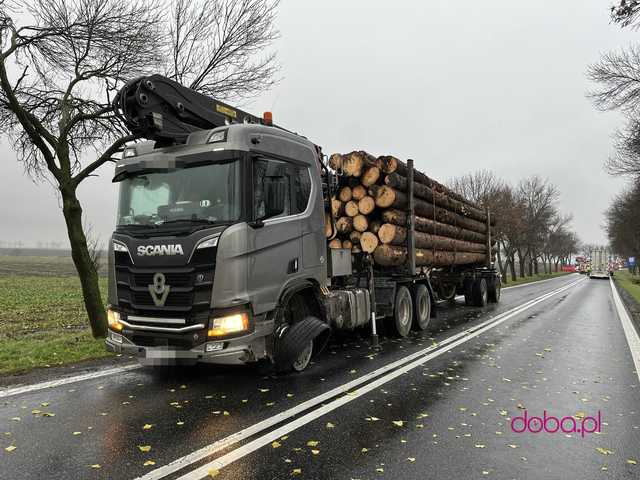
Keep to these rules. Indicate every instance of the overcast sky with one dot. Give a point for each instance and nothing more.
(458, 86)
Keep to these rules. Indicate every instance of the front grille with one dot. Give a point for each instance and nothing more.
(190, 287)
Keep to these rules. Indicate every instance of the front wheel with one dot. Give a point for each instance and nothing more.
(479, 292)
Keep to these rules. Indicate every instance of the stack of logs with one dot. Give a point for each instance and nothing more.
(368, 214)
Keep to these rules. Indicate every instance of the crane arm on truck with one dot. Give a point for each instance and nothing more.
(157, 108)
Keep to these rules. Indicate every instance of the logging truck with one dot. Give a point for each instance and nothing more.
(239, 241)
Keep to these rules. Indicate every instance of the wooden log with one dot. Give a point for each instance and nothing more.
(426, 225)
(358, 192)
(347, 244)
(344, 225)
(335, 162)
(443, 200)
(368, 242)
(390, 164)
(374, 226)
(335, 243)
(386, 196)
(351, 208)
(360, 223)
(395, 235)
(366, 205)
(345, 195)
(396, 256)
(356, 249)
(370, 175)
(354, 163)
(329, 229)
(337, 208)
(355, 237)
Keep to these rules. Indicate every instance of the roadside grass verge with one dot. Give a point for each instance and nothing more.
(631, 283)
(43, 322)
(533, 278)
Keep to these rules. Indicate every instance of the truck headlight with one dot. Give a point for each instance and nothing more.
(113, 318)
(235, 323)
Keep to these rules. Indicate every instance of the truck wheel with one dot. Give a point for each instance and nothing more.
(447, 291)
(421, 307)
(402, 312)
(495, 289)
(479, 292)
(297, 344)
(304, 359)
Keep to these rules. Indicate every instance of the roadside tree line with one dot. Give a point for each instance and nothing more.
(617, 76)
(531, 231)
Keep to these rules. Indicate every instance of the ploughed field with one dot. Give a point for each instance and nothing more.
(42, 317)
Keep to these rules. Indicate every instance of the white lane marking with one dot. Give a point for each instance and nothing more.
(252, 446)
(65, 381)
(219, 445)
(627, 325)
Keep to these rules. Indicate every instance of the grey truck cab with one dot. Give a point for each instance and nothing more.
(211, 235)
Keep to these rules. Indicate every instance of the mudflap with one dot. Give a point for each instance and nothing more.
(292, 340)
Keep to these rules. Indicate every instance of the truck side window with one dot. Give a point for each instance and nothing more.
(301, 189)
(262, 169)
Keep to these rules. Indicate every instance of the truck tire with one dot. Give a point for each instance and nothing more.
(402, 312)
(495, 290)
(479, 292)
(299, 342)
(421, 307)
(447, 291)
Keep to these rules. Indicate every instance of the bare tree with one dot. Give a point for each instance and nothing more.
(623, 222)
(625, 12)
(61, 61)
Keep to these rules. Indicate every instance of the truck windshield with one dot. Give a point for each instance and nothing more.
(202, 195)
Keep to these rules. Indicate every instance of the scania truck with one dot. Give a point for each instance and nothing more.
(220, 254)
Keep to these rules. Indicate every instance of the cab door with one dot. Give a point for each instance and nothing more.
(275, 245)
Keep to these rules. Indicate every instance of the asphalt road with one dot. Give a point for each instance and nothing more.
(435, 405)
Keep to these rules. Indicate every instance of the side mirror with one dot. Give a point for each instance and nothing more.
(274, 196)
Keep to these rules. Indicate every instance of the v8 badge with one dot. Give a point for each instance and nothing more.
(159, 290)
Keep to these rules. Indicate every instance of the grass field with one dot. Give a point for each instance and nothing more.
(42, 317)
(533, 278)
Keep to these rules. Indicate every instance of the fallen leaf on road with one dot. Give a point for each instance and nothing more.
(296, 471)
(147, 426)
(16, 419)
(411, 459)
(96, 466)
(330, 425)
(398, 423)
(511, 445)
(180, 423)
(364, 450)
(372, 419)
(214, 472)
(479, 445)
(148, 463)
(10, 448)
(264, 390)
(225, 413)
(275, 444)
(312, 443)
(144, 448)
(44, 404)
(631, 461)
(380, 470)
(315, 452)
(604, 451)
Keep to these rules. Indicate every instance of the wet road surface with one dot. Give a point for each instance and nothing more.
(437, 404)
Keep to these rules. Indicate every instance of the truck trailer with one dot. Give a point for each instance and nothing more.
(221, 250)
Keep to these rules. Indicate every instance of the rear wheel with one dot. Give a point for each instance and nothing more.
(447, 291)
(495, 290)
(402, 312)
(421, 307)
(479, 292)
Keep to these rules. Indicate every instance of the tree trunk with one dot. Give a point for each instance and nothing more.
(396, 235)
(426, 225)
(394, 256)
(500, 265)
(512, 264)
(386, 196)
(441, 199)
(522, 260)
(72, 211)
